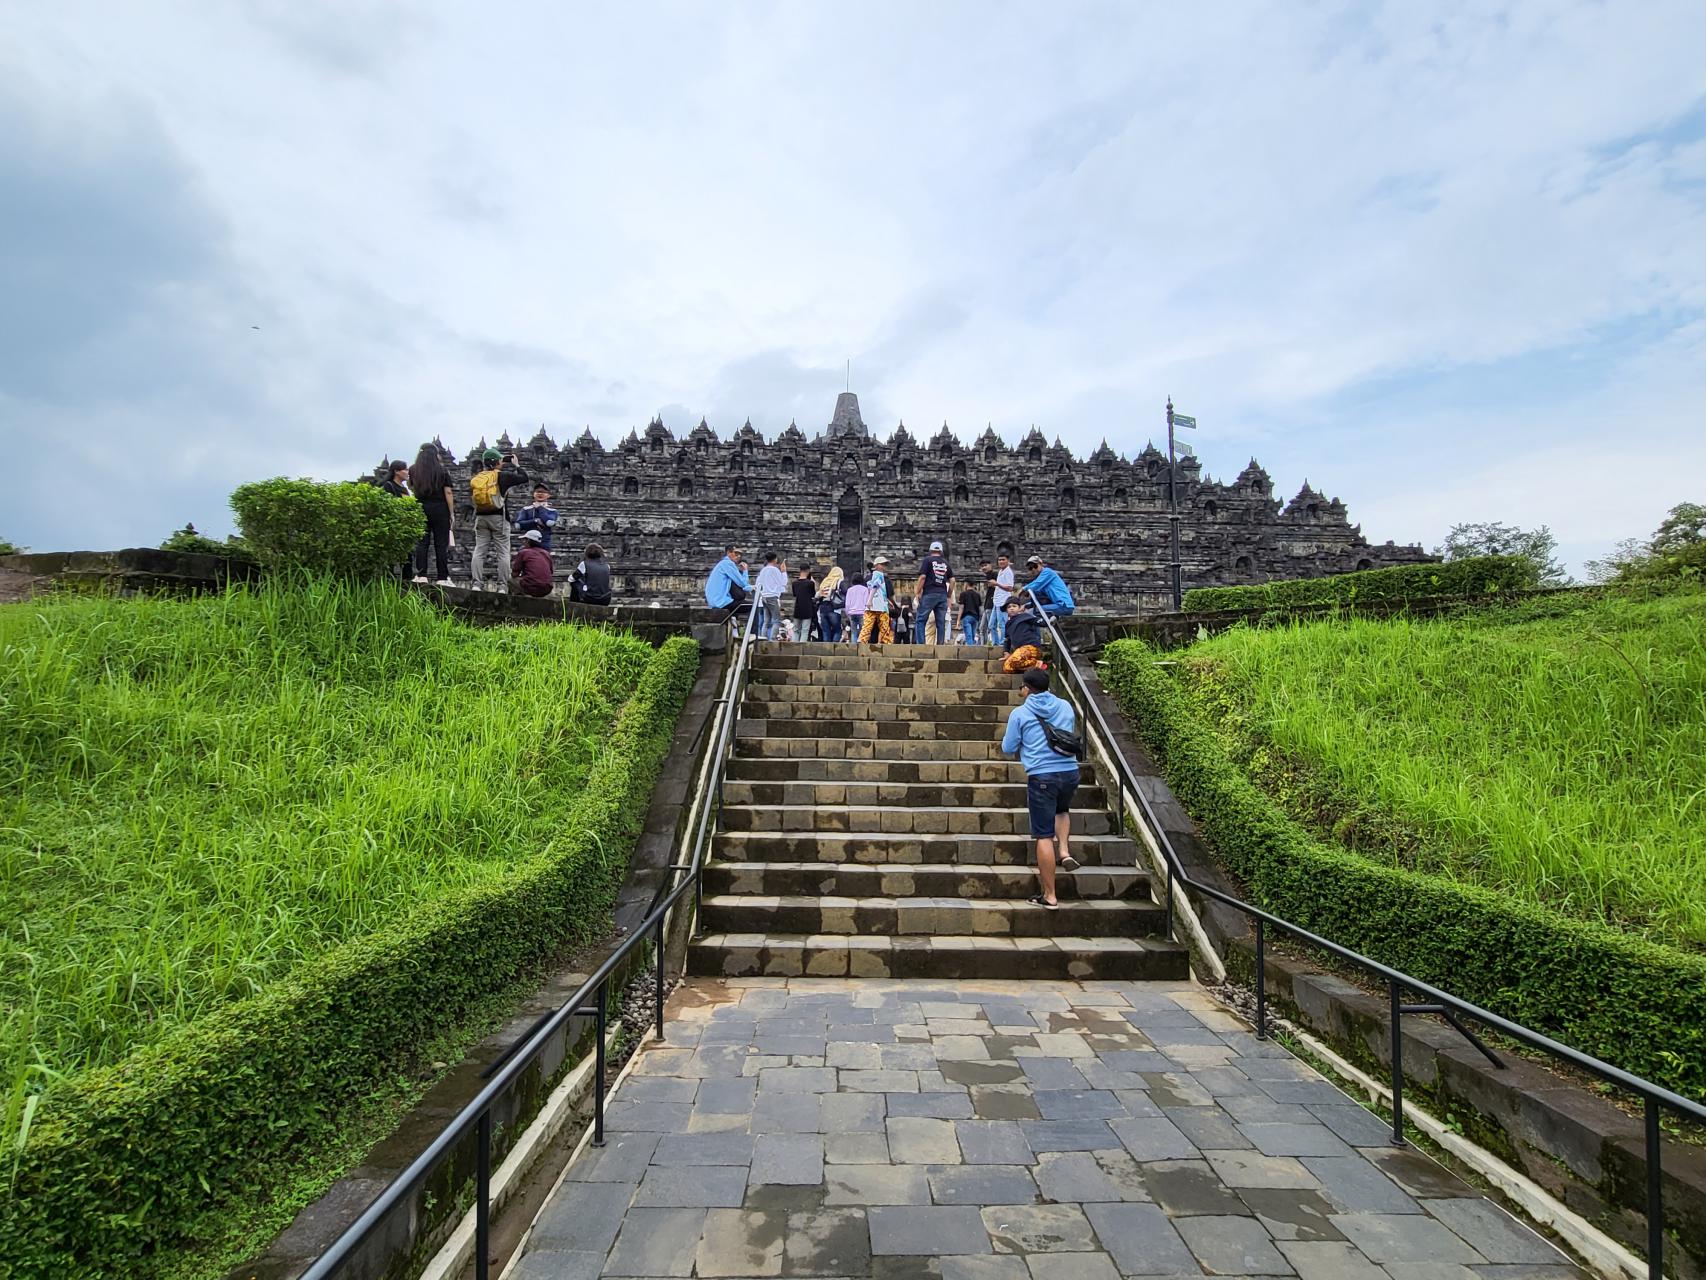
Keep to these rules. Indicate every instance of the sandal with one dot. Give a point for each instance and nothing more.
(1069, 864)
(1038, 900)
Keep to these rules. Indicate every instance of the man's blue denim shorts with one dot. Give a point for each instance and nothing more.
(1049, 794)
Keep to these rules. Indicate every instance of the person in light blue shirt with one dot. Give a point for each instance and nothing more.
(772, 582)
(1050, 778)
(727, 587)
(1050, 589)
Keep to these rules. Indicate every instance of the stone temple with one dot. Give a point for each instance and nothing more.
(664, 506)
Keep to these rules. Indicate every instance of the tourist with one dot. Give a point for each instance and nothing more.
(1048, 588)
(772, 582)
(539, 515)
(396, 483)
(531, 566)
(831, 600)
(590, 581)
(805, 604)
(1004, 584)
(498, 474)
(1051, 777)
(971, 613)
(876, 627)
(901, 610)
(986, 614)
(858, 597)
(727, 587)
(935, 586)
(1024, 637)
(431, 482)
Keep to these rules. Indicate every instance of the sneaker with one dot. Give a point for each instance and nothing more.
(419, 577)
(1069, 864)
(444, 582)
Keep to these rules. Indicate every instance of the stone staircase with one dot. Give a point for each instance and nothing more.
(871, 827)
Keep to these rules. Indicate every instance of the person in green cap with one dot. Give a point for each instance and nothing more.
(498, 473)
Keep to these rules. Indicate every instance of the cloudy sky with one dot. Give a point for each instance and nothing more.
(1447, 262)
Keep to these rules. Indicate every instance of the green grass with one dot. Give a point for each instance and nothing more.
(210, 791)
(1556, 753)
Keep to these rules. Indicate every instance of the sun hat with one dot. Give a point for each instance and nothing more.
(935, 546)
(533, 535)
(880, 560)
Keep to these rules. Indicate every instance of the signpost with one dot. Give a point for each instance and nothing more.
(1175, 420)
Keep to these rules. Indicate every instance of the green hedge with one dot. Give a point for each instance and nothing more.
(1479, 576)
(334, 528)
(123, 1163)
(1632, 1003)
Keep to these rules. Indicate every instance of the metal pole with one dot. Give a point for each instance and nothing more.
(598, 1073)
(1397, 1068)
(483, 1199)
(1261, 979)
(659, 946)
(1655, 1197)
(1173, 512)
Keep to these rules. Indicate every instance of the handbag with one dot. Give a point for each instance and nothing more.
(1061, 742)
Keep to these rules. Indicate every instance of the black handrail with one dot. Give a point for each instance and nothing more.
(477, 1114)
(1653, 1096)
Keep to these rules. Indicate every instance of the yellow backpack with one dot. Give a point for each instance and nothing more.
(487, 496)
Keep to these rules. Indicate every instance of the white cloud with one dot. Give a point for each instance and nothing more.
(1322, 231)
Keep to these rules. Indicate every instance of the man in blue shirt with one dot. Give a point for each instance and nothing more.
(727, 587)
(539, 516)
(1050, 778)
(1049, 588)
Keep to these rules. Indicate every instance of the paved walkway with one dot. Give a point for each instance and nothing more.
(1000, 1131)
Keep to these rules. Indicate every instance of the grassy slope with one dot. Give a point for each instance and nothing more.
(212, 790)
(1560, 758)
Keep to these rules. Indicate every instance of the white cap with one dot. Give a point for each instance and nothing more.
(533, 535)
(935, 546)
(880, 560)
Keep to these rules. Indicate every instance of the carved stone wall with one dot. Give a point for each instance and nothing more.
(664, 507)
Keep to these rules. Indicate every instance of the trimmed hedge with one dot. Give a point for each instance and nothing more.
(125, 1162)
(1635, 1004)
(1478, 576)
(327, 527)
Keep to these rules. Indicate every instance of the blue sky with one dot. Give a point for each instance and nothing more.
(1447, 262)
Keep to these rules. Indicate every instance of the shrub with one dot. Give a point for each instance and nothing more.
(124, 1163)
(194, 543)
(11, 548)
(339, 529)
(1481, 576)
(1630, 1002)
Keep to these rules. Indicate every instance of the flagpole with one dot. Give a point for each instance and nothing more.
(1173, 512)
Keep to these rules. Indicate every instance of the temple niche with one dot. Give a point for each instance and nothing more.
(664, 506)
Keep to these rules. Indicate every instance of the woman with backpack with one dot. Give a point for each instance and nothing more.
(831, 599)
(431, 483)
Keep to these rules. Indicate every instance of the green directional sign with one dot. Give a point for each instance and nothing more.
(1180, 420)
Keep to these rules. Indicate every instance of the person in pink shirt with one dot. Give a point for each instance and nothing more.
(858, 596)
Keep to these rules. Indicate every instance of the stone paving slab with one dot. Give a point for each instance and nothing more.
(969, 1130)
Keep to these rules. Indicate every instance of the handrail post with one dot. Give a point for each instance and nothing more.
(598, 1071)
(483, 1198)
(1397, 1066)
(1655, 1196)
(659, 946)
(1261, 979)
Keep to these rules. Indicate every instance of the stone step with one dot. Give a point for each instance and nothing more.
(765, 678)
(768, 748)
(897, 819)
(910, 659)
(822, 648)
(909, 917)
(882, 711)
(872, 730)
(911, 795)
(923, 879)
(944, 956)
(1006, 695)
(903, 850)
(881, 770)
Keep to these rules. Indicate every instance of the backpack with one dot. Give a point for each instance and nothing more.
(1061, 742)
(488, 498)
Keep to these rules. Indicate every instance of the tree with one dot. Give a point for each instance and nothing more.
(1677, 550)
(1683, 526)
(1490, 538)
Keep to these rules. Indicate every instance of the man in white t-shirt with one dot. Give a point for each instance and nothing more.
(772, 582)
(1003, 588)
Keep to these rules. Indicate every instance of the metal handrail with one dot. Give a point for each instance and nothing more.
(477, 1114)
(1653, 1096)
